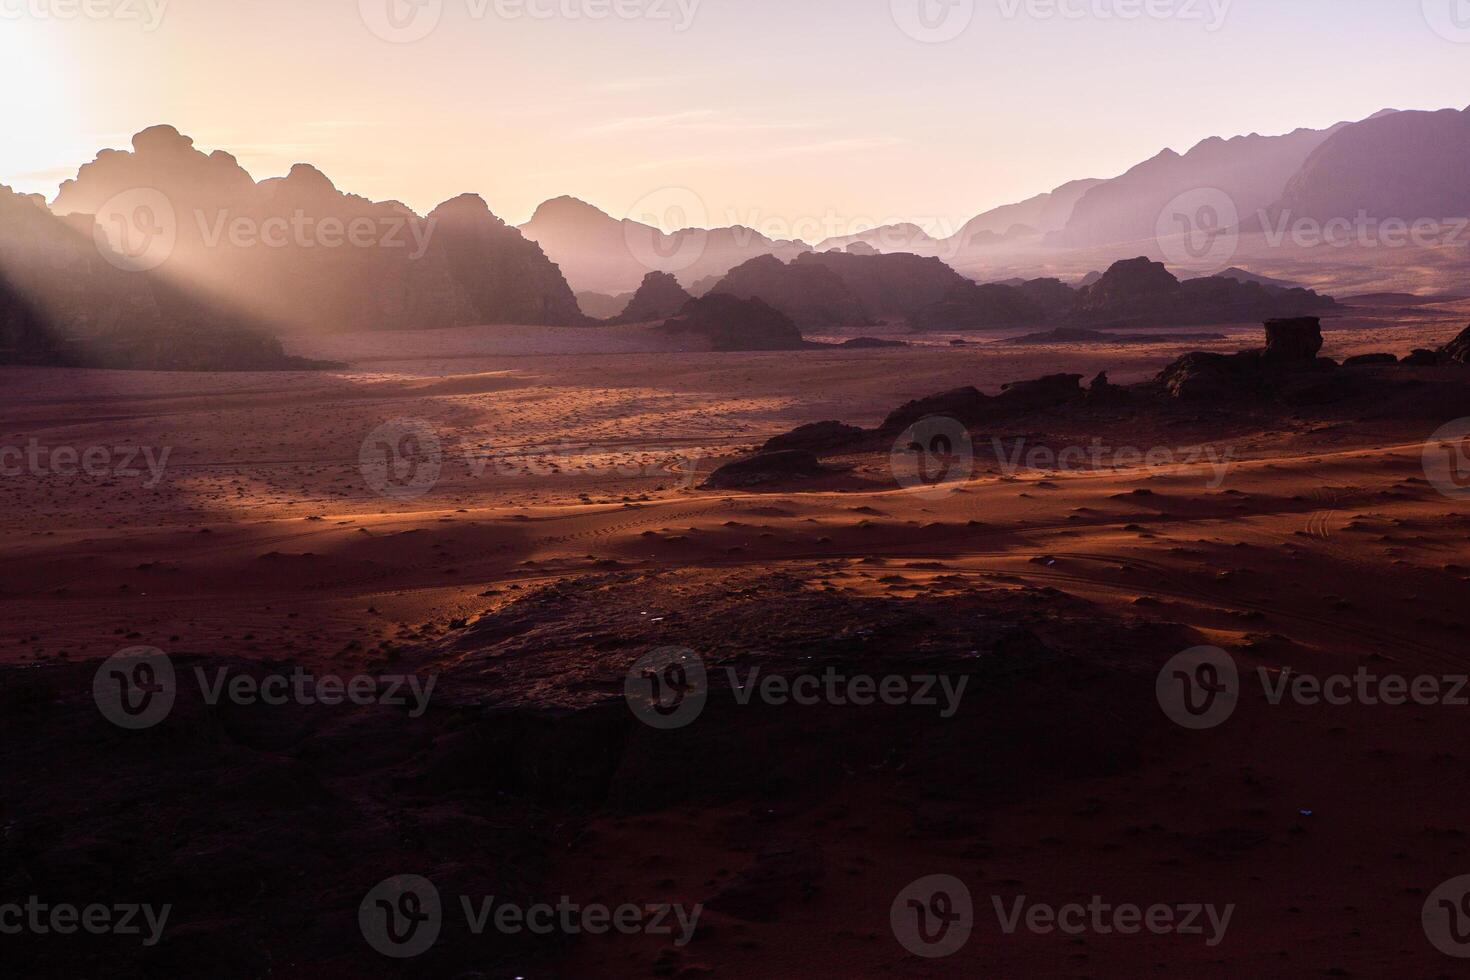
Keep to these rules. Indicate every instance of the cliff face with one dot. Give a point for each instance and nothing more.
(305, 255)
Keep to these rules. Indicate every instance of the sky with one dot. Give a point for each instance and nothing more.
(816, 117)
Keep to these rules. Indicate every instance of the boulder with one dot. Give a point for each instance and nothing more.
(777, 467)
(1293, 340)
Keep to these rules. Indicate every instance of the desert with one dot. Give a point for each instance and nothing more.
(913, 491)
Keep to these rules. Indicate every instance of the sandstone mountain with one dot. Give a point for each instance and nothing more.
(303, 255)
(812, 295)
(659, 298)
(1252, 170)
(62, 303)
(1143, 293)
(727, 323)
(600, 253)
(1404, 165)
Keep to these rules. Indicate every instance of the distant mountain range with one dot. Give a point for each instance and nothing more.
(248, 258)
(600, 253)
(1392, 164)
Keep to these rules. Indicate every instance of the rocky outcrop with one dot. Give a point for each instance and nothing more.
(814, 437)
(1046, 392)
(658, 298)
(966, 405)
(766, 467)
(1458, 350)
(731, 323)
(1144, 293)
(1290, 352)
(1370, 360)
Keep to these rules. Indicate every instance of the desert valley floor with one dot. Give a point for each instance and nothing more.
(568, 532)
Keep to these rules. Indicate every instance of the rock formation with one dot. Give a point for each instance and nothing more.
(658, 298)
(731, 323)
(811, 295)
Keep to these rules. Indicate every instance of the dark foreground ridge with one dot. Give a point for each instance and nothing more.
(265, 826)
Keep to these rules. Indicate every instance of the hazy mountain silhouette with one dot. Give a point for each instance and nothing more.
(600, 253)
(658, 298)
(1141, 292)
(888, 286)
(1404, 165)
(1252, 170)
(1037, 215)
(62, 303)
(810, 295)
(307, 256)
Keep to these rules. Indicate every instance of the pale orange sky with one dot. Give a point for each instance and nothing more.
(812, 115)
